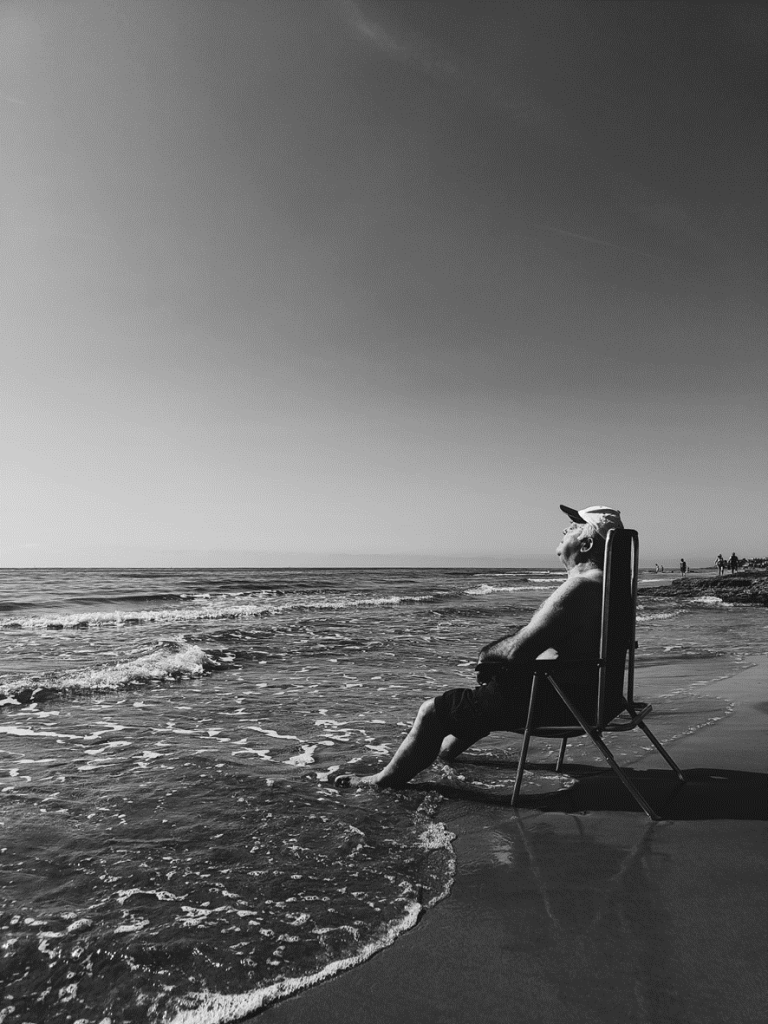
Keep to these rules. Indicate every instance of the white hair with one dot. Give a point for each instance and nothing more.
(590, 532)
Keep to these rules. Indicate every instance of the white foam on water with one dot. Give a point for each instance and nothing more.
(378, 748)
(212, 609)
(263, 754)
(304, 758)
(659, 615)
(486, 588)
(519, 573)
(189, 660)
(135, 924)
(130, 618)
(272, 732)
(220, 1008)
(16, 730)
(727, 710)
(436, 837)
(160, 894)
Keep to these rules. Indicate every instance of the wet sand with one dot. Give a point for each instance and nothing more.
(577, 908)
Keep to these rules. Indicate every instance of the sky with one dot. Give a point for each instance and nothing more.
(370, 282)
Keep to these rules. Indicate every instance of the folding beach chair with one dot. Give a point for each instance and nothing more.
(602, 700)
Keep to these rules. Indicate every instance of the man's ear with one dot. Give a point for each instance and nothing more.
(587, 544)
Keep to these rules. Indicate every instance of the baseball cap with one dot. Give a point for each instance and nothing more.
(601, 517)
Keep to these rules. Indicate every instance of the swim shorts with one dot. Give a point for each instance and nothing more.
(502, 706)
(471, 713)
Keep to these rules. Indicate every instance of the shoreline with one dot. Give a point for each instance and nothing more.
(745, 587)
(577, 907)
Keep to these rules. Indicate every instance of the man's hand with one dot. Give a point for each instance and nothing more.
(492, 651)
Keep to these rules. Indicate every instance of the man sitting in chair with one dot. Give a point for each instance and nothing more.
(568, 623)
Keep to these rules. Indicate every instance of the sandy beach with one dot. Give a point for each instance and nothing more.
(578, 908)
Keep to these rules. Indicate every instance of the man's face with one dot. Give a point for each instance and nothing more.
(569, 542)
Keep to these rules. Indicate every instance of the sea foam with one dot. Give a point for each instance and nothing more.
(184, 661)
(206, 610)
(219, 1008)
(486, 588)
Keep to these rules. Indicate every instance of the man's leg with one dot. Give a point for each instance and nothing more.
(417, 752)
(452, 746)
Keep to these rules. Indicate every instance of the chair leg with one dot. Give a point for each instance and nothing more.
(526, 741)
(661, 750)
(598, 741)
(521, 767)
(561, 755)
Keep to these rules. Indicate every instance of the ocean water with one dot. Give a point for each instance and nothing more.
(171, 848)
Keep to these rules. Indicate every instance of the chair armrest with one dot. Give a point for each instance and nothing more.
(547, 661)
(493, 665)
(549, 655)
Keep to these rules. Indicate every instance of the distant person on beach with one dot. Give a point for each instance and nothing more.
(683, 567)
(720, 563)
(733, 562)
(568, 621)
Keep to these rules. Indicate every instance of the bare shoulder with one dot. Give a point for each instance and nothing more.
(579, 589)
(586, 581)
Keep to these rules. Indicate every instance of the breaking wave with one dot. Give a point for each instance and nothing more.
(486, 588)
(658, 615)
(210, 609)
(176, 660)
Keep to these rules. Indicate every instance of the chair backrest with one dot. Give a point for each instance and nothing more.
(617, 634)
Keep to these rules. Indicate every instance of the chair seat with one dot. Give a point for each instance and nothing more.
(555, 731)
(570, 731)
(639, 713)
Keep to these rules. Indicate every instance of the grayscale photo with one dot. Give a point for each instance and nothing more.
(383, 489)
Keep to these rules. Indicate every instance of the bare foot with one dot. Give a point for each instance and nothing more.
(358, 781)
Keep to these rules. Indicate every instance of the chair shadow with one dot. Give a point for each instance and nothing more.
(707, 794)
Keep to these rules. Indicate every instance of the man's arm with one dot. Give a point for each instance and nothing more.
(574, 608)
